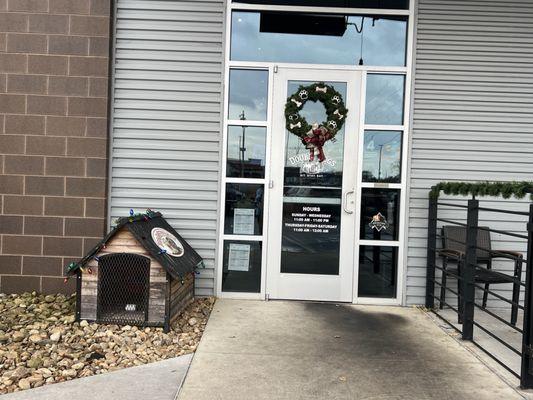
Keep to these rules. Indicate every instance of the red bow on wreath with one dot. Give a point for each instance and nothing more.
(315, 140)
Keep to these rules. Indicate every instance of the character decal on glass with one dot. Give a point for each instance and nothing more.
(378, 222)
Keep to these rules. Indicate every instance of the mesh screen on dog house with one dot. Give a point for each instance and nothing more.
(123, 288)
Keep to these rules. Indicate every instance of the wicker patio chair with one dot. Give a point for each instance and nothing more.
(453, 250)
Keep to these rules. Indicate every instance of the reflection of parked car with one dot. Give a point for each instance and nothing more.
(294, 176)
(233, 195)
(297, 191)
(259, 193)
(294, 242)
(252, 168)
(368, 176)
(332, 194)
(249, 199)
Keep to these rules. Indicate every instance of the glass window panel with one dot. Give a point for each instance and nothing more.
(300, 171)
(248, 94)
(390, 4)
(318, 39)
(244, 209)
(311, 234)
(241, 266)
(378, 268)
(384, 99)
(246, 152)
(312, 198)
(382, 156)
(380, 214)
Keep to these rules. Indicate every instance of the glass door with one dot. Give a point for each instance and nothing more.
(312, 208)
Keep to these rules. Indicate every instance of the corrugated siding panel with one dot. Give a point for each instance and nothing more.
(166, 117)
(472, 117)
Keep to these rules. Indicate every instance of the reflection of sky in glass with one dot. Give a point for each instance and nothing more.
(391, 4)
(248, 94)
(384, 43)
(254, 146)
(316, 112)
(387, 147)
(384, 99)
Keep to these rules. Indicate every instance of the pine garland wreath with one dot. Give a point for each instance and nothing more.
(314, 136)
(495, 189)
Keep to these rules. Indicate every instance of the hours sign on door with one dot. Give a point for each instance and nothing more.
(311, 237)
(310, 219)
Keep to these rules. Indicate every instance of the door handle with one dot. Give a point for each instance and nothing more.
(345, 202)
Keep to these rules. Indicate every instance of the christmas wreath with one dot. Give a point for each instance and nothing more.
(315, 135)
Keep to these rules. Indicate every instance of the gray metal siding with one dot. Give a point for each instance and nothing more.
(166, 120)
(472, 117)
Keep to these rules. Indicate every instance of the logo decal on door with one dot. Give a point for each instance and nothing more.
(379, 222)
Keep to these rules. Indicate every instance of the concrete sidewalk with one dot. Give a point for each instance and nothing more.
(298, 350)
(157, 381)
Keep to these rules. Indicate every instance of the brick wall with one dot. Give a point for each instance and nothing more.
(53, 137)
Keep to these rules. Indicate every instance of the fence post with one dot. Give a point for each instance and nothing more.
(526, 371)
(431, 250)
(468, 270)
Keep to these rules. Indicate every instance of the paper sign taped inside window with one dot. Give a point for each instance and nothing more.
(239, 257)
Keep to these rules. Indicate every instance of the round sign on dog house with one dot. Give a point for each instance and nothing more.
(168, 242)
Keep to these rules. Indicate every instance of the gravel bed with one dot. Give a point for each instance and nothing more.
(41, 344)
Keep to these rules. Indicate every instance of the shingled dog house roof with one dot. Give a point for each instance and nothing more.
(161, 241)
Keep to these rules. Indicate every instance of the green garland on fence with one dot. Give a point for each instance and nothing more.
(496, 189)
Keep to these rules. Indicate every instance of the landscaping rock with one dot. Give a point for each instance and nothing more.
(24, 384)
(55, 336)
(78, 366)
(18, 373)
(35, 338)
(69, 373)
(49, 298)
(41, 344)
(18, 336)
(35, 362)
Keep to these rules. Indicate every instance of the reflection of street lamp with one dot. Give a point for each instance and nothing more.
(242, 144)
(379, 164)
(361, 32)
(388, 148)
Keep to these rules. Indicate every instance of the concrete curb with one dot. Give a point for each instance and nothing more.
(156, 381)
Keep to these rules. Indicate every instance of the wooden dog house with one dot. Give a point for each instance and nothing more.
(141, 273)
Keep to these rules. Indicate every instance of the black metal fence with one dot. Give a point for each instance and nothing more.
(466, 253)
